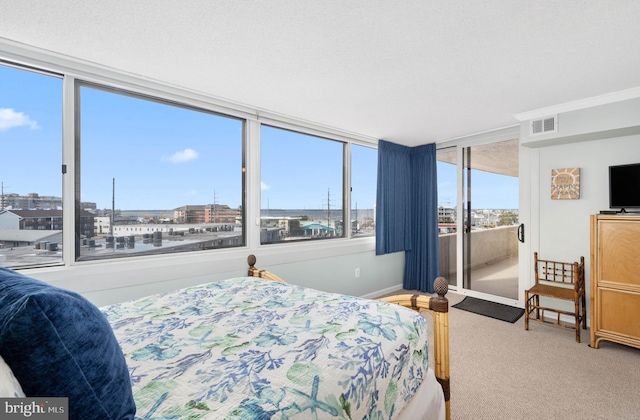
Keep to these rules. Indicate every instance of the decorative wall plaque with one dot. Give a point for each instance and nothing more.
(565, 184)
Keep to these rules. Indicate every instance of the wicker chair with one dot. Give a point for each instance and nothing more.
(557, 280)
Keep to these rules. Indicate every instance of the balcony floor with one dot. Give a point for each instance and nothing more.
(499, 278)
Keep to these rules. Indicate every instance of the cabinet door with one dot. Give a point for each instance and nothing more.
(618, 258)
(619, 312)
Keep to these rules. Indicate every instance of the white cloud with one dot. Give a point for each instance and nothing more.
(10, 119)
(182, 156)
(264, 186)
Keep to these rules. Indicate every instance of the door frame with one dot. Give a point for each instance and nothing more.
(524, 211)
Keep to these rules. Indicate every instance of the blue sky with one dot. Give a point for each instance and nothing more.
(489, 191)
(163, 157)
(30, 133)
(297, 168)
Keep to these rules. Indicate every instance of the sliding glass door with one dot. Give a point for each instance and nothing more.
(490, 218)
(448, 213)
(478, 207)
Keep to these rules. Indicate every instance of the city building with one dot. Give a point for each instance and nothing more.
(43, 220)
(209, 213)
(34, 201)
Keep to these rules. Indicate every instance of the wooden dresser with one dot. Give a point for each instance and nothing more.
(615, 279)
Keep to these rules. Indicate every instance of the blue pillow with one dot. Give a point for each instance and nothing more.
(58, 344)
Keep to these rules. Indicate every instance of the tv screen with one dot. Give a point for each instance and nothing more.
(624, 186)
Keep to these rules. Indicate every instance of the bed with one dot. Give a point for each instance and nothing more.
(256, 347)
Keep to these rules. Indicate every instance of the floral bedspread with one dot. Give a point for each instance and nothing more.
(248, 348)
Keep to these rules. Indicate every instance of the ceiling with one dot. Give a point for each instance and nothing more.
(498, 158)
(410, 72)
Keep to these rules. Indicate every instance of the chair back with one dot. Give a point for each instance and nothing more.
(559, 273)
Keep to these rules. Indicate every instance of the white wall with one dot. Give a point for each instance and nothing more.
(602, 121)
(588, 137)
(329, 268)
(563, 228)
(378, 273)
(564, 224)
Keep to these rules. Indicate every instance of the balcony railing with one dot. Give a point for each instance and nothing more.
(488, 248)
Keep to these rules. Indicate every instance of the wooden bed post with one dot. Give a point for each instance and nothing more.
(438, 306)
(264, 274)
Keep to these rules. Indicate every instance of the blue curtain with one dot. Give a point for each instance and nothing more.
(407, 211)
(422, 260)
(393, 214)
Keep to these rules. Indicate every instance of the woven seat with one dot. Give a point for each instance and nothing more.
(557, 280)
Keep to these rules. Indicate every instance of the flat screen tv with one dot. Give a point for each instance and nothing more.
(624, 187)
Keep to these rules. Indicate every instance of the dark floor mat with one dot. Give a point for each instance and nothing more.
(491, 309)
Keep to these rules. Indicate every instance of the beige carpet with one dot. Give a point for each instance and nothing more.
(501, 371)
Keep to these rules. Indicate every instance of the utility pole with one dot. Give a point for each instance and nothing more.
(329, 208)
(113, 207)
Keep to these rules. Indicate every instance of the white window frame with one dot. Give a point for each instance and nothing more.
(79, 84)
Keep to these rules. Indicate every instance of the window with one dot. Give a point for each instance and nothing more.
(30, 168)
(302, 186)
(364, 169)
(156, 177)
(157, 174)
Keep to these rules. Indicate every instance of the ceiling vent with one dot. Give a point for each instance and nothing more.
(544, 125)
